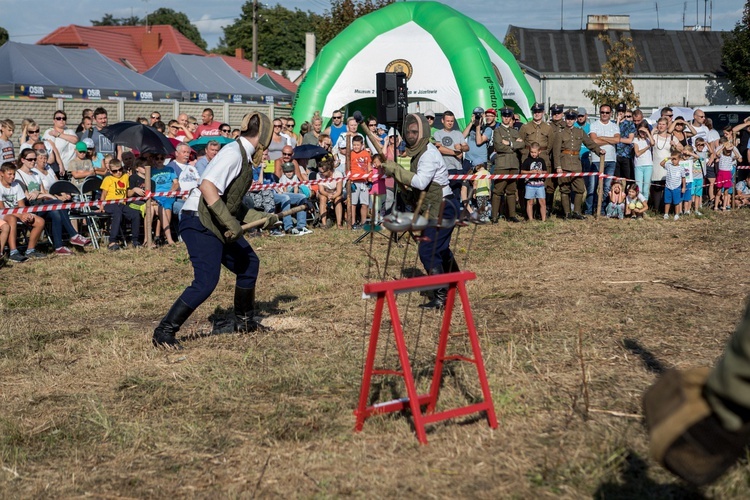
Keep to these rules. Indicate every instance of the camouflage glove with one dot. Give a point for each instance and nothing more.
(225, 217)
(686, 436)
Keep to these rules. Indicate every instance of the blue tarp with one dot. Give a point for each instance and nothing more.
(53, 72)
(211, 79)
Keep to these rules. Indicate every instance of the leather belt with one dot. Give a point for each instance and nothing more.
(189, 213)
(569, 152)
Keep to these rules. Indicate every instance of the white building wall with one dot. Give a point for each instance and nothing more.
(654, 92)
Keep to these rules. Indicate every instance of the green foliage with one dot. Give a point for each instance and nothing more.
(160, 16)
(511, 43)
(110, 20)
(736, 53)
(179, 21)
(281, 35)
(614, 85)
(3, 35)
(343, 13)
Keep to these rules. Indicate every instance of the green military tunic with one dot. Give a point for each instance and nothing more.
(542, 133)
(506, 162)
(566, 150)
(569, 140)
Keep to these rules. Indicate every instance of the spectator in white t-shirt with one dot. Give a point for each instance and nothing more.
(606, 134)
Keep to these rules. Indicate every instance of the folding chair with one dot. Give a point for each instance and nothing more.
(90, 192)
(61, 187)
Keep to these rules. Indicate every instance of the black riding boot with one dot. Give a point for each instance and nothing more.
(164, 334)
(244, 308)
(242, 318)
(440, 294)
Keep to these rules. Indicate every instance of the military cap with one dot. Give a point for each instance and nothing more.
(556, 109)
(506, 111)
(571, 114)
(538, 107)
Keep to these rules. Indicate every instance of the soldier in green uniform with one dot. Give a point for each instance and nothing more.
(557, 122)
(506, 143)
(566, 150)
(541, 132)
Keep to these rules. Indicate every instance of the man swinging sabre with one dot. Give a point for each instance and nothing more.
(428, 174)
(210, 228)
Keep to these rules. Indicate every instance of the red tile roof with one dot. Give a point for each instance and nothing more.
(141, 46)
(246, 68)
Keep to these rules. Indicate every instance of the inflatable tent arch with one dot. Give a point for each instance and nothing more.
(447, 57)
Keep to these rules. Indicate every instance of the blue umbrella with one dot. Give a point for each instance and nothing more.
(204, 139)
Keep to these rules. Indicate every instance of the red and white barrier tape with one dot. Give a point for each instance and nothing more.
(50, 207)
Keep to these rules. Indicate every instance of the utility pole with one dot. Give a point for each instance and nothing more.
(581, 14)
(562, 4)
(255, 38)
(657, 14)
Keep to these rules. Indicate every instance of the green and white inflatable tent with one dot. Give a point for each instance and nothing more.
(448, 58)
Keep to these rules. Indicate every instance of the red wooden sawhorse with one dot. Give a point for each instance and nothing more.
(386, 291)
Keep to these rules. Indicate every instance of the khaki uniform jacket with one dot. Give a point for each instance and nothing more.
(569, 140)
(541, 133)
(506, 158)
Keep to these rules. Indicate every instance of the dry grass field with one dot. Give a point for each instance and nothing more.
(89, 408)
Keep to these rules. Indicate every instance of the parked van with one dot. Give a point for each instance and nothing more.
(726, 115)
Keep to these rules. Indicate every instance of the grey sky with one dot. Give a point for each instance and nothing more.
(29, 24)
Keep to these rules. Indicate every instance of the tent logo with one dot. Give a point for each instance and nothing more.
(399, 66)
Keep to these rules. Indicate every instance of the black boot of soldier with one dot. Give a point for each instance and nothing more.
(439, 294)
(244, 308)
(164, 334)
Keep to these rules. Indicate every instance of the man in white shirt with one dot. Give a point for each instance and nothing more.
(606, 134)
(213, 235)
(699, 124)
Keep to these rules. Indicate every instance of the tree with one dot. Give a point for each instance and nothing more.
(281, 35)
(160, 16)
(511, 43)
(735, 54)
(110, 20)
(343, 13)
(179, 21)
(3, 35)
(614, 84)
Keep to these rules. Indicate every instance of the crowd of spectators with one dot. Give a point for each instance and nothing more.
(677, 165)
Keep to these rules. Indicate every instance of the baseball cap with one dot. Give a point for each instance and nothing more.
(491, 111)
(478, 110)
(582, 111)
(81, 146)
(621, 107)
(89, 143)
(430, 114)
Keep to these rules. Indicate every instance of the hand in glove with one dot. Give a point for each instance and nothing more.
(399, 173)
(221, 212)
